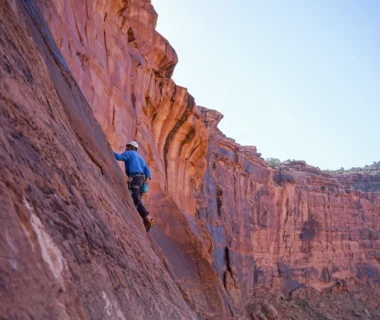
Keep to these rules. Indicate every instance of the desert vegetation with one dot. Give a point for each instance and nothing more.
(374, 169)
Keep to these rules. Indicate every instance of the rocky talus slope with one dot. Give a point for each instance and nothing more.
(235, 238)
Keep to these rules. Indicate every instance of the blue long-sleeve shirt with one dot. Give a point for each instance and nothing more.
(134, 163)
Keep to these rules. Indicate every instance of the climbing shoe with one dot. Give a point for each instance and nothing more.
(149, 225)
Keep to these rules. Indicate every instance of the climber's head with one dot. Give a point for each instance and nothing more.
(132, 145)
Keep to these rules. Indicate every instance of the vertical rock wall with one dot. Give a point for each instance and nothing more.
(227, 223)
(123, 67)
(295, 225)
(72, 246)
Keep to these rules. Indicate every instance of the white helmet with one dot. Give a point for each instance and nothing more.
(133, 144)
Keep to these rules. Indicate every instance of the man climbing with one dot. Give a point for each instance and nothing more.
(138, 173)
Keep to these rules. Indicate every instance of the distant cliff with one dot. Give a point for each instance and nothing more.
(364, 179)
(79, 79)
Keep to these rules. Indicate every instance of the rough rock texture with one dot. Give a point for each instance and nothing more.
(341, 301)
(71, 245)
(123, 67)
(296, 225)
(360, 181)
(228, 225)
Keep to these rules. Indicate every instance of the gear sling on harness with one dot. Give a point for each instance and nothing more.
(135, 184)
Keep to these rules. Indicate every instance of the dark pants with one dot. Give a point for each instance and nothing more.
(134, 185)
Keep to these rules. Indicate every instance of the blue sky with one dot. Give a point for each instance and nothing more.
(299, 79)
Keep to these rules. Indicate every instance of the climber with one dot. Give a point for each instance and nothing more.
(138, 173)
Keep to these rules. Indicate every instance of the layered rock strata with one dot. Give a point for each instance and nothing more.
(296, 224)
(227, 223)
(71, 244)
(360, 181)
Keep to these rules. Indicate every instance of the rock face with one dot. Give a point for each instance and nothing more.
(296, 224)
(360, 181)
(71, 245)
(94, 75)
(341, 301)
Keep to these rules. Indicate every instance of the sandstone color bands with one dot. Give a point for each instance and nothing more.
(71, 245)
(78, 85)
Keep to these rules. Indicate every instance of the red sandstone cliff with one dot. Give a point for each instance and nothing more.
(228, 225)
(296, 223)
(71, 244)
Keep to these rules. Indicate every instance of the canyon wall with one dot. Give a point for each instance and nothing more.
(360, 181)
(295, 225)
(147, 107)
(72, 246)
(227, 223)
(124, 67)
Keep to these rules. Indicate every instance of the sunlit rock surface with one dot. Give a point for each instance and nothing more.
(228, 225)
(72, 245)
(360, 181)
(296, 223)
